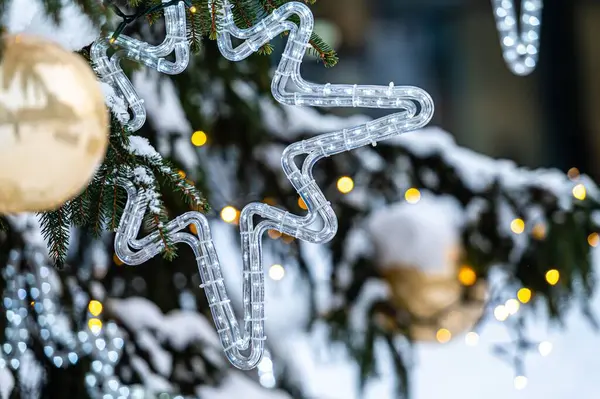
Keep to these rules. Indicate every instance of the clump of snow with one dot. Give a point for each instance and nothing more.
(479, 171)
(75, 31)
(152, 383)
(421, 235)
(7, 383)
(115, 103)
(180, 328)
(31, 375)
(236, 385)
(371, 292)
(141, 147)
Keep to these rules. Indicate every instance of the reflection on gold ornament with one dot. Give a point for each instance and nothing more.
(53, 125)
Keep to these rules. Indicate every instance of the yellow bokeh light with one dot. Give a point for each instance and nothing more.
(117, 260)
(517, 226)
(199, 138)
(443, 336)
(274, 234)
(573, 173)
(95, 307)
(276, 272)
(193, 9)
(412, 195)
(95, 325)
(467, 276)
(552, 276)
(472, 338)
(302, 204)
(345, 184)
(539, 231)
(524, 295)
(182, 174)
(229, 214)
(579, 192)
(594, 239)
(512, 306)
(501, 313)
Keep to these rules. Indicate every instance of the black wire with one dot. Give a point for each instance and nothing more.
(128, 19)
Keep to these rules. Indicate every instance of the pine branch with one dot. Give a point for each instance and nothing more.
(216, 7)
(197, 24)
(55, 229)
(319, 47)
(53, 8)
(93, 9)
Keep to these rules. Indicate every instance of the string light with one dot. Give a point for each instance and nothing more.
(539, 231)
(512, 306)
(573, 174)
(199, 138)
(95, 308)
(95, 325)
(524, 295)
(276, 272)
(443, 336)
(552, 276)
(345, 184)
(472, 338)
(117, 261)
(593, 239)
(193, 229)
(229, 214)
(545, 348)
(579, 192)
(302, 204)
(287, 239)
(467, 276)
(517, 226)
(244, 344)
(501, 313)
(520, 49)
(520, 382)
(274, 234)
(193, 9)
(182, 174)
(412, 195)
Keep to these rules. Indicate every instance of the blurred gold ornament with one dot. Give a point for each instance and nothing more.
(54, 125)
(434, 301)
(418, 253)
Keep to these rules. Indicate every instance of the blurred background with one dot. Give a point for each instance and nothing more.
(463, 268)
(450, 48)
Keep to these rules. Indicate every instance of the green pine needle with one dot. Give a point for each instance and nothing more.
(55, 227)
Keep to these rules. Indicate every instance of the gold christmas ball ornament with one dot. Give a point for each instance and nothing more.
(54, 125)
(417, 250)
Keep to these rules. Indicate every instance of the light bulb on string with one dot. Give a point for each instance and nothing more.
(520, 382)
(524, 295)
(345, 184)
(517, 226)
(276, 272)
(412, 195)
